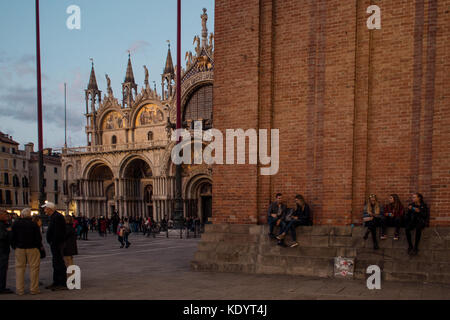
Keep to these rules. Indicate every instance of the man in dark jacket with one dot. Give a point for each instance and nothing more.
(55, 237)
(275, 213)
(5, 242)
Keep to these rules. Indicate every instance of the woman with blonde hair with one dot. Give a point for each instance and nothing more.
(373, 213)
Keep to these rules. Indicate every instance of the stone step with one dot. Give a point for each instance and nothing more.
(222, 267)
(235, 238)
(306, 266)
(235, 248)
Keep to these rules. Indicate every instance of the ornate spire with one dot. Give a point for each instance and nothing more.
(204, 17)
(92, 80)
(169, 63)
(129, 77)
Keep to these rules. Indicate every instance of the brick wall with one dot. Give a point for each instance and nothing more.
(358, 111)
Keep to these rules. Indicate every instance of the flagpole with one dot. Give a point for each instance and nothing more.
(39, 113)
(65, 115)
(178, 198)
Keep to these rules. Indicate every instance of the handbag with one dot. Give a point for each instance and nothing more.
(42, 252)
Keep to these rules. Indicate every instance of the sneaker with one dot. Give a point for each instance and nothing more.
(281, 236)
(396, 238)
(383, 237)
(282, 244)
(293, 245)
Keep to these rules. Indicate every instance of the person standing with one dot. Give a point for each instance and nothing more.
(55, 237)
(5, 243)
(115, 222)
(126, 232)
(85, 228)
(70, 242)
(26, 241)
(120, 231)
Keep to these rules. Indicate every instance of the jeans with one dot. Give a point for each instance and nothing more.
(125, 239)
(290, 226)
(391, 222)
(372, 228)
(272, 223)
(410, 226)
(59, 267)
(3, 270)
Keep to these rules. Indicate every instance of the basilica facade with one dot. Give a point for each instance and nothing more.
(126, 164)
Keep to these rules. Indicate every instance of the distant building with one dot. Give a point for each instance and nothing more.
(14, 175)
(126, 164)
(19, 176)
(52, 178)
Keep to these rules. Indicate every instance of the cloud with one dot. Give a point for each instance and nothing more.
(20, 103)
(137, 46)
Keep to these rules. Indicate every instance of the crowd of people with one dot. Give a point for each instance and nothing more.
(415, 217)
(23, 234)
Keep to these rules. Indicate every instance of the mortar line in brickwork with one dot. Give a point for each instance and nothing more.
(417, 95)
(369, 108)
(258, 177)
(272, 79)
(311, 99)
(354, 109)
(427, 147)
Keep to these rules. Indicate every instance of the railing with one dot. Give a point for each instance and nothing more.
(115, 147)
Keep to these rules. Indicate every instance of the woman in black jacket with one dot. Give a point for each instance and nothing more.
(70, 242)
(416, 218)
(300, 217)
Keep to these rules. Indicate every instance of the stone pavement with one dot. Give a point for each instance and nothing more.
(158, 268)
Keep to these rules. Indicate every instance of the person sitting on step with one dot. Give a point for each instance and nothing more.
(372, 218)
(393, 216)
(299, 217)
(276, 211)
(416, 218)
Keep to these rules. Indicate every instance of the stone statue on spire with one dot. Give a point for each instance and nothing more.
(204, 17)
(146, 77)
(108, 83)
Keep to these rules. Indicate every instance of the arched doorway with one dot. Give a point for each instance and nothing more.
(136, 177)
(100, 180)
(110, 198)
(199, 198)
(205, 197)
(148, 200)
